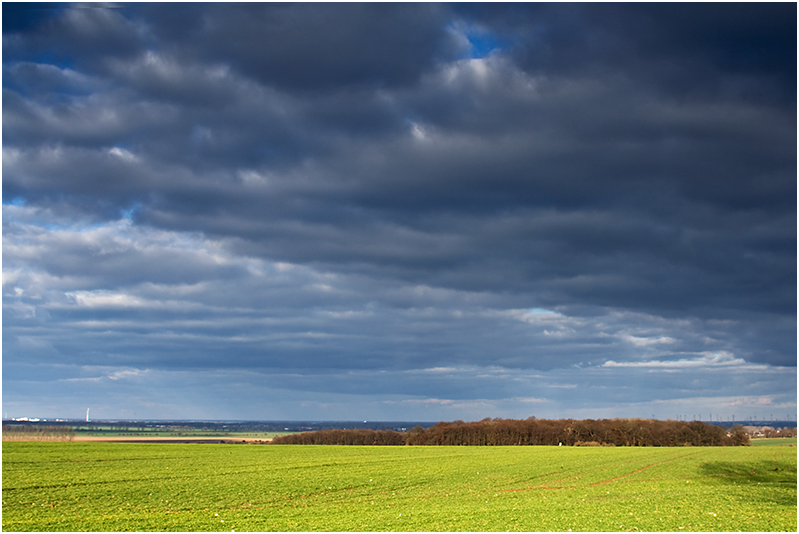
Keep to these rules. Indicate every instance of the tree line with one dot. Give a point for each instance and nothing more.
(37, 433)
(532, 431)
(349, 436)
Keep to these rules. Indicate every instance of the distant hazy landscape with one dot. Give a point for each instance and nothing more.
(633, 432)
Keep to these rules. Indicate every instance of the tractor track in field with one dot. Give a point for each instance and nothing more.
(640, 470)
(544, 486)
(551, 485)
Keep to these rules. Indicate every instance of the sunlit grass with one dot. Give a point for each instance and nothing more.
(176, 487)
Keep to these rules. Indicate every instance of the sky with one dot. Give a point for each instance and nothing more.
(399, 212)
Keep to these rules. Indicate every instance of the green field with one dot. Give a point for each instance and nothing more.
(773, 442)
(72, 486)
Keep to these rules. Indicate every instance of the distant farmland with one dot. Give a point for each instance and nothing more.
(70, 486)
(37, 433)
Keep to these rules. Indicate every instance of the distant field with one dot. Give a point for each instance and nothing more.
(116, 432)
(70, 486)
(761, 442)
(64, 433)
(264, 436)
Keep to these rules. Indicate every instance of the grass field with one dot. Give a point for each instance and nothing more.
(770, 442)
(71, 486)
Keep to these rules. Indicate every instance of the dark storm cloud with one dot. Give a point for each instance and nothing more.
(69, 35)
(312, 47)
(376, 188)
(741, 50)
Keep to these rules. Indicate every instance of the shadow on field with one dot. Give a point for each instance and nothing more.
(767, 473)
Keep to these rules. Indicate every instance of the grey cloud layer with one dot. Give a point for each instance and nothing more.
(372, 187)
(156, 299)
